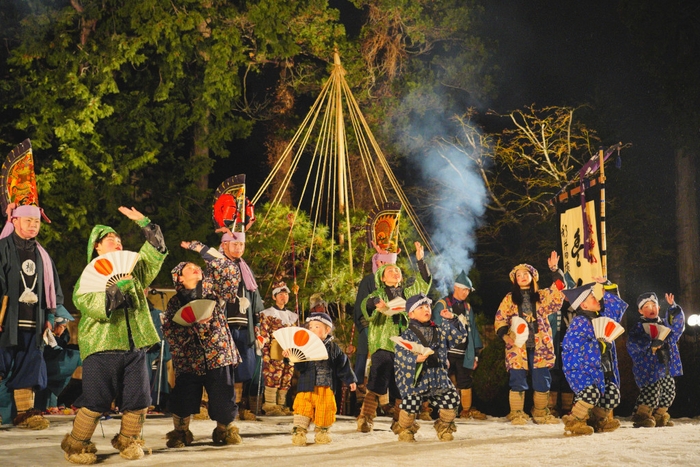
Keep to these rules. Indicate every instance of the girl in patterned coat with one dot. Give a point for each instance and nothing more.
(424, 377)
(277, 374)
(590, 364)
(536, 356)
(655, 362)
(203, 356)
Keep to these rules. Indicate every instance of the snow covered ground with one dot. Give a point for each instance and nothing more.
(267, 443)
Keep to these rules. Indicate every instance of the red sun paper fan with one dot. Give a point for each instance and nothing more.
(520, 329)
(194, 311)
(414, 347)
(106, 270)
(607, 328)
(303, 345)
(656, 331)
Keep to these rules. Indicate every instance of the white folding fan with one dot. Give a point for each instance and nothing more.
(656, 331)
(414, 347)
(194, 311)
(607, 328)
(520, 329)
(303, 345)
(397, 305)
(106, 270)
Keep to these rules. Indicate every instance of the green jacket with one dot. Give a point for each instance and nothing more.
(381, 327)
(100, 330)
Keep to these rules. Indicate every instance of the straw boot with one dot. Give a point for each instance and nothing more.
(643, 417)
(77, 445)
(517, 401)
(575, 424)
(567, 402)
(368, 412)
(540, 411)
(301, 427)
(270, 407)
(181, 436)
(602, 421)
(662, 417)
(407, 426)
(226, 434)
(27, 417)
(445, 425)
(553, 402)
(282, 401)
(467, 410)
(128, 441)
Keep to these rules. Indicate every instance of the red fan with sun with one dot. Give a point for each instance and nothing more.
(302, 344)
(194, 311)
(656, 331)
(607, 328)
(414, 347)
(106, 270)
(520, 329)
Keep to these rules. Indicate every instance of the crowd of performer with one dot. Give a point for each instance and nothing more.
(544, 330)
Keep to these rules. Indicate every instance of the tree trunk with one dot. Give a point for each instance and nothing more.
(688, 233)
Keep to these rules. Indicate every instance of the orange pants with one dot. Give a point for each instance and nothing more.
(318, 405)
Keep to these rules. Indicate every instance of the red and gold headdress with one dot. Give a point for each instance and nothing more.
(18, 181)
(232, 208)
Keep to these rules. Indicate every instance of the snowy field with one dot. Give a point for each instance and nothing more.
(267, 443)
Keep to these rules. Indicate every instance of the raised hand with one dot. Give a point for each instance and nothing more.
(131, 213)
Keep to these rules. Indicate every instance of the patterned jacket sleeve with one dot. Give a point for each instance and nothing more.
(176, 335)
(342, 366)
(455, 332)
(675, 319)
(405, 366)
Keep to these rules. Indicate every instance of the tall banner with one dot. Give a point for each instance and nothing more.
(571, 227)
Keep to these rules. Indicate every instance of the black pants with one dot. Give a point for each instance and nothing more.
(463, 376)
(381, 374)
(187, 394)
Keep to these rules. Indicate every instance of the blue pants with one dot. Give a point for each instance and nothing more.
(246, 369)
(115, 375)
(541, 379)
(26, 363)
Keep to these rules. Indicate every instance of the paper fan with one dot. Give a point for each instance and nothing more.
(303, 345)
(656, 331)
(520, 329)
(106, 270)
(414, 347)
(606, 328)
(396, 305)
(194, 311)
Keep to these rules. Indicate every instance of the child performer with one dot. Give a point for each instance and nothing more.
(277, 374)
(115, 331)
(590, 365)
(203, 356)
(423, 377)
(389, 283)
(315, 397)
(536, 356)
(464, 357)
(655, 362)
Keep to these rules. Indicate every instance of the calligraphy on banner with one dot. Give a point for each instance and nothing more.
(571, 227)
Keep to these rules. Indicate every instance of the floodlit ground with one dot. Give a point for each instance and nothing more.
(267, 443)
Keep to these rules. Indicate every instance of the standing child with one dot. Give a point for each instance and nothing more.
(536, 355)
(425, 377)
(277, 374)
(315, 397)
(655, 362)
(590, 364)
(203, 356)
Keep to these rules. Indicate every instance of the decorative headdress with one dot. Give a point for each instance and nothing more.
(531, 269)
(18, 185)
(231, 207)
(278, 287)
(383, 233)
(321, 316)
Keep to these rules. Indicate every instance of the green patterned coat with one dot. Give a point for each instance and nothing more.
(100, 331)
(382, 327)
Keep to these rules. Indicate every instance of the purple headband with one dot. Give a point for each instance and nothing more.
(387, 258)
(233, 237)
(26, 210)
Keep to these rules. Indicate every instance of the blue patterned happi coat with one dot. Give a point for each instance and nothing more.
(413, 378)
(581, 350)
(646, 366)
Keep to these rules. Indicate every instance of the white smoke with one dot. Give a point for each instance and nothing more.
(459, 205)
